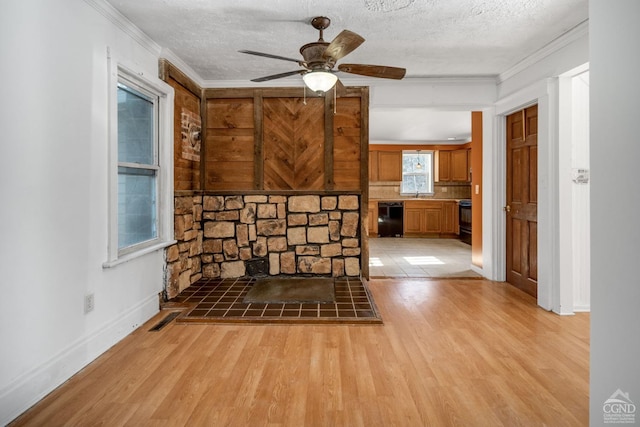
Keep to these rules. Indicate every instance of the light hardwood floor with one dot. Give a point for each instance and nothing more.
(450, 352)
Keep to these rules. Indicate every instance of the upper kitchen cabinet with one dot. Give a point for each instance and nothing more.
(444, 165)
(385, 166)
(459, 165)
(453, 165)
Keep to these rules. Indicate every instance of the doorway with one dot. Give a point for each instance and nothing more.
(522, 200)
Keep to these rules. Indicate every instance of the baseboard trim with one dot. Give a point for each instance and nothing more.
(32, 386)
(477, 269)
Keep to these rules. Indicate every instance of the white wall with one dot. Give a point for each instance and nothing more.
(536, 81)
(53, 195)
(581, 202)
(615, 203)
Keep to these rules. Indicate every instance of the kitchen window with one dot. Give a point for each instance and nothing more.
(417, 172)
(140, 209)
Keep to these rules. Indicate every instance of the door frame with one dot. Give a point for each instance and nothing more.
(545, 94)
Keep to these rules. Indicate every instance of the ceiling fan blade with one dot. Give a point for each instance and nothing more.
(278, 76)
(374, 70)
(344, 43)
(268, 55)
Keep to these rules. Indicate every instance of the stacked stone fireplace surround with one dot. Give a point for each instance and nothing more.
(263, 235)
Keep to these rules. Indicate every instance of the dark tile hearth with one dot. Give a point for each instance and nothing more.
(223, 301)
(291, 290)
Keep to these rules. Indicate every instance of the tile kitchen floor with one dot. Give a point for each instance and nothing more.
(415, 257)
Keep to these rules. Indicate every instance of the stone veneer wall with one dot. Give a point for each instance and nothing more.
(183, 259)
(281, 235)
(259, 235)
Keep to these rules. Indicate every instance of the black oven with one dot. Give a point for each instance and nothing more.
(465, 220)
(390, 222)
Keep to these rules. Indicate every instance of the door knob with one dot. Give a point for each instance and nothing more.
(507, 209)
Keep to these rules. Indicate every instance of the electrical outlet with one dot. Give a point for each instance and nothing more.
(89, 303)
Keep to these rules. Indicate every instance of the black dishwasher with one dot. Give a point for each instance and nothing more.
(390, 219)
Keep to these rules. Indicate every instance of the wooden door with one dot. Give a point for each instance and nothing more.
(522, 200)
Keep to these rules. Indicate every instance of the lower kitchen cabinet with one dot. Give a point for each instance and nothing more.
(430, 218)
(413, 220)
(450, 221)
(373, 219)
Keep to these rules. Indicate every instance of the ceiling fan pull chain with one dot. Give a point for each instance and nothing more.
(335, 100)
(304, 91)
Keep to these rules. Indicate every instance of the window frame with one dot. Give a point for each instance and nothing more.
(162, 95)
(430, 177)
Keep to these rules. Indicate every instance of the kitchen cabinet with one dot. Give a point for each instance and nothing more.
(422, 217)
(459, 166)
(413, 220)
(385, 165)
(453, 165)
(450, 222)
(373, 219)
(430, 218)
(373, 166)
(444, 165)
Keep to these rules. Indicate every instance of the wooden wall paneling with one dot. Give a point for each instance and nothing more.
(364, 180)
(203, 139)
(309, 148)
(279, 146)
(258, 155)
(187, 170)
(230, 144)
(293, 144)
(329, 157)
(347, 152)
(166, 71)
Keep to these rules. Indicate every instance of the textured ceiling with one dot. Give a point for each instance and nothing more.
(453, 38)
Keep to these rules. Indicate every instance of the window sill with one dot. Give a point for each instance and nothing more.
(133, 255)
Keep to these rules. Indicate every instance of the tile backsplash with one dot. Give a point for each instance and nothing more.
(391, 190)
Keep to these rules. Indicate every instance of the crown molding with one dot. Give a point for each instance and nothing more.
(577, 32)
(182, 66)
(121, 21)
(371, 82)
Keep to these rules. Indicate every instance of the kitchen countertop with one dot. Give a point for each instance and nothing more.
(421, 199)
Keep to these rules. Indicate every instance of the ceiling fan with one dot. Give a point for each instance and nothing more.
(319, 59)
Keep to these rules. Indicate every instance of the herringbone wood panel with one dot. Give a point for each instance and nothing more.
(293, 136)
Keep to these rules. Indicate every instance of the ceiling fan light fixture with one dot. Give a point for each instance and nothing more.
(319, 80)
